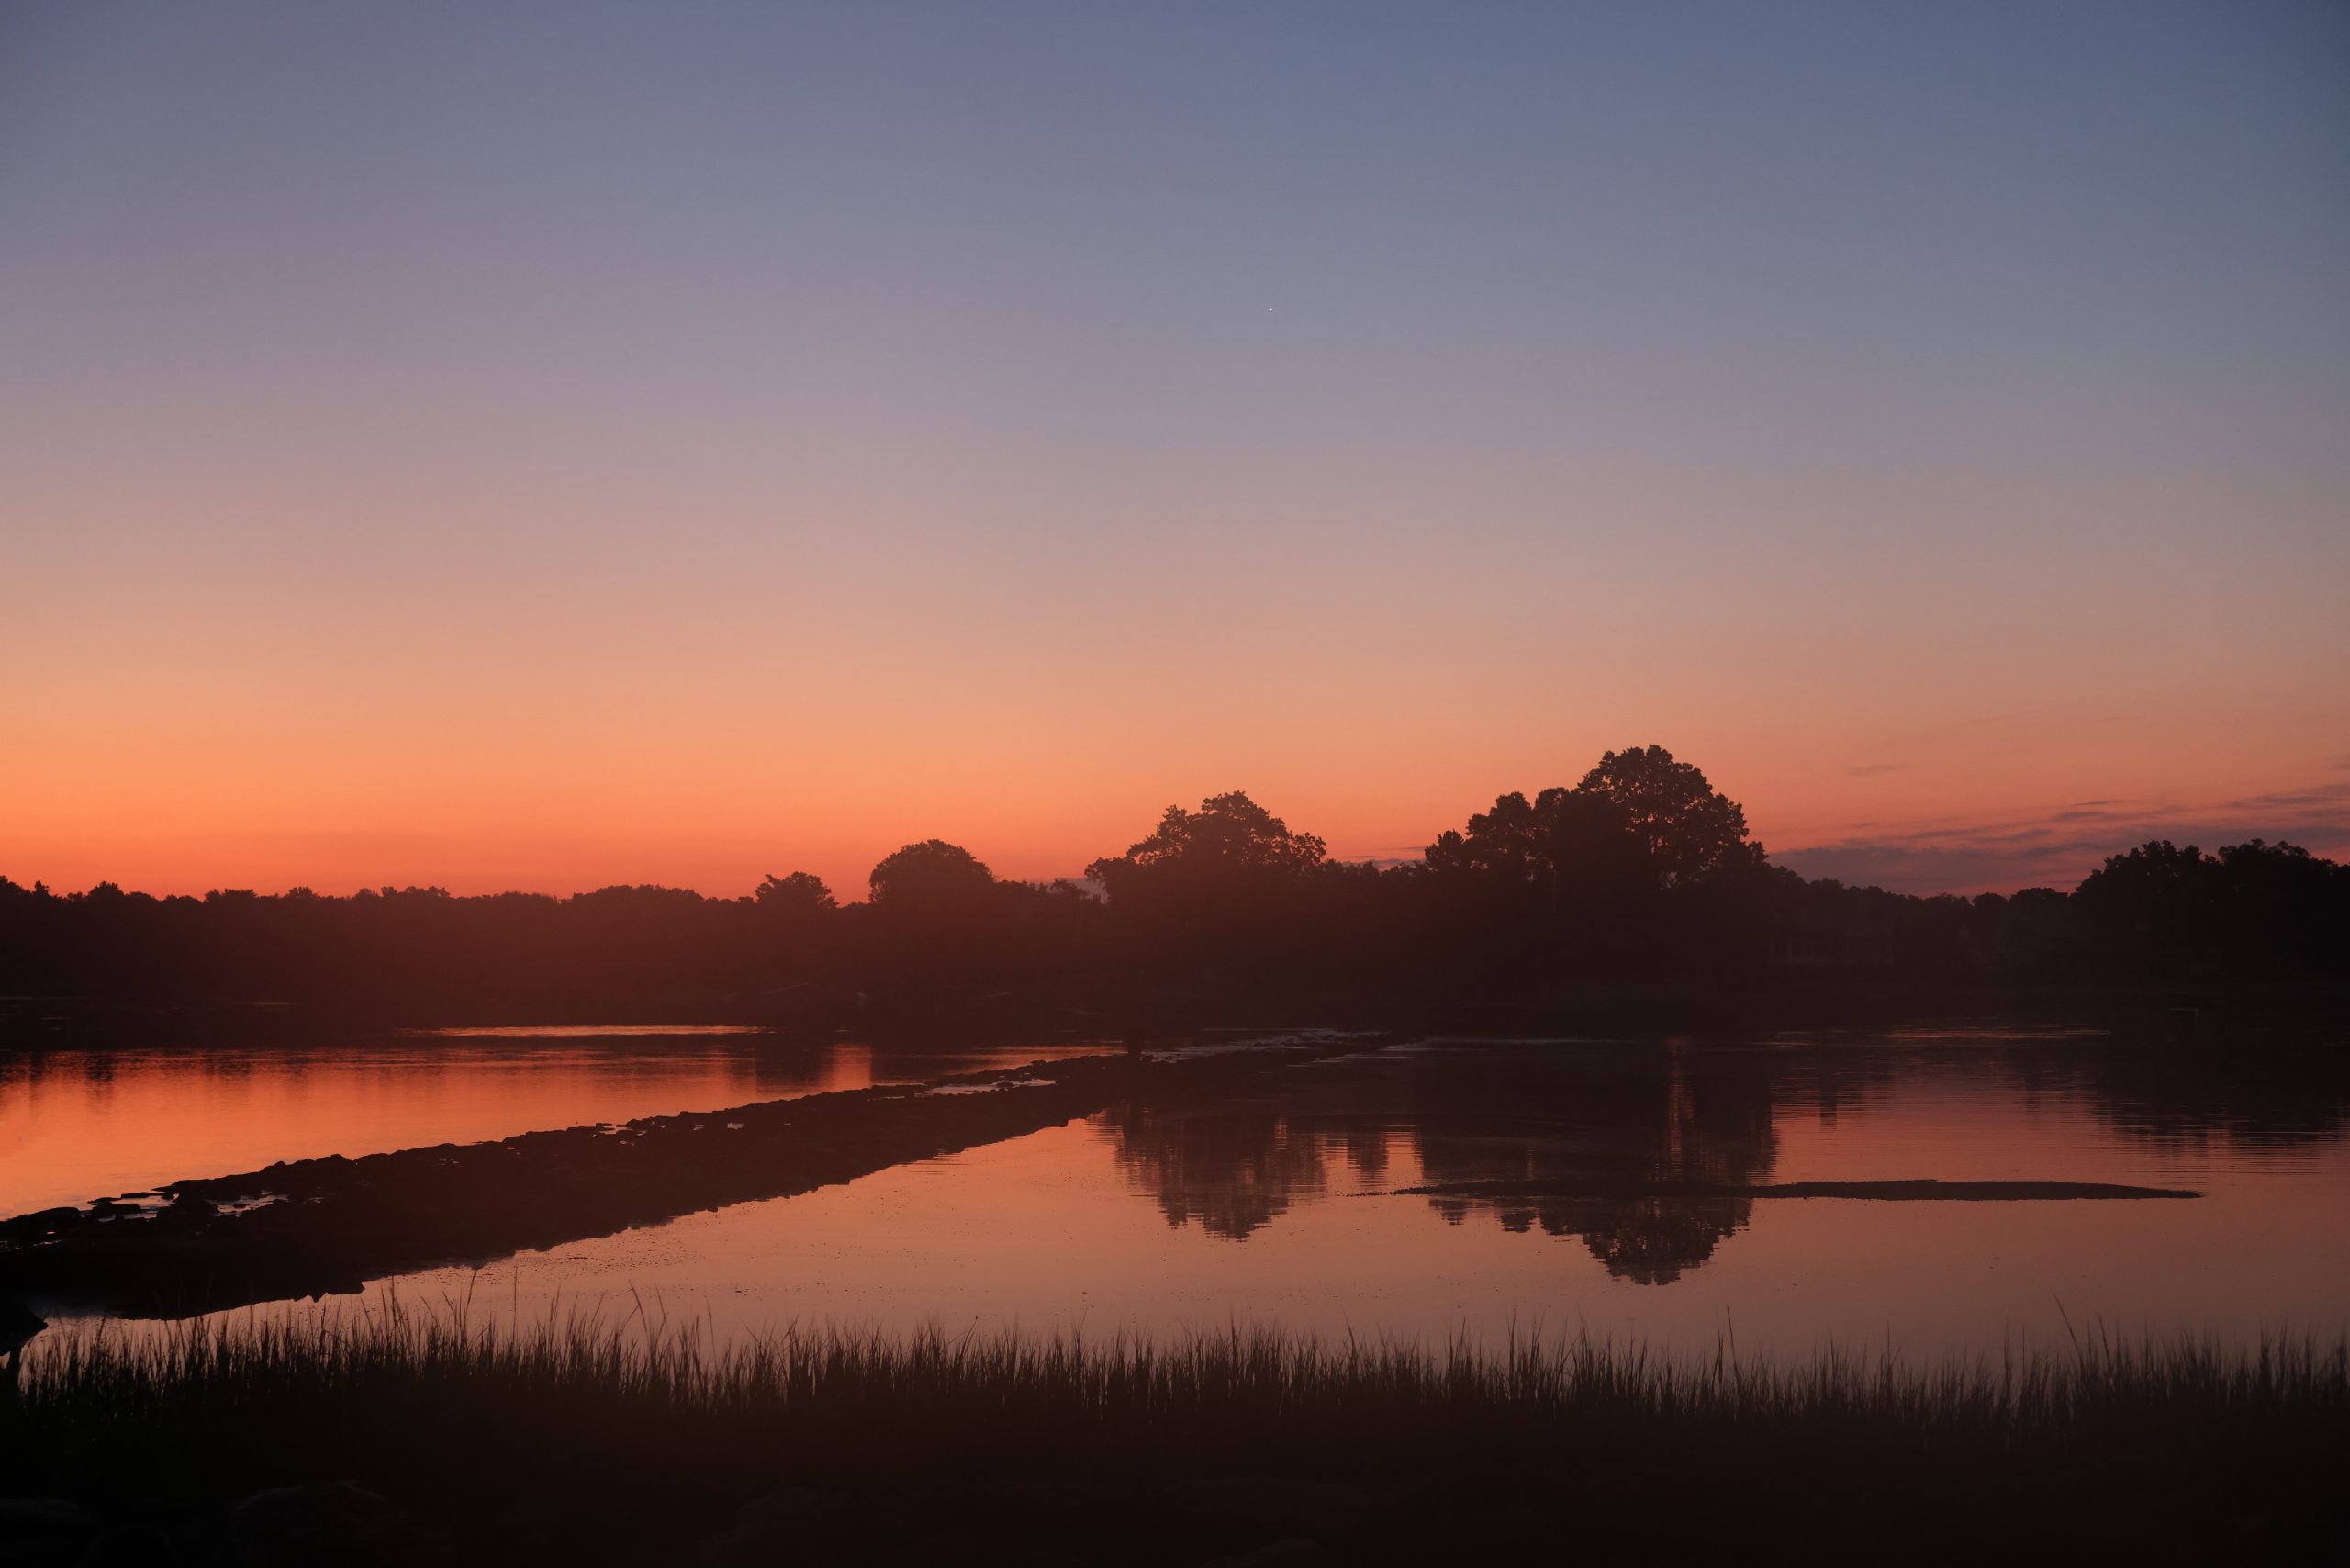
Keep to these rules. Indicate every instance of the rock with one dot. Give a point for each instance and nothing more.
(1501, 1539)
(1058, 1517)
(1293, 1552)
(947, 1549)
(336, 1521)
(1519, 1527)
(42, 1529)
(799, 1525)
(129, 1546)
(19, 1326)
(1259, 1506)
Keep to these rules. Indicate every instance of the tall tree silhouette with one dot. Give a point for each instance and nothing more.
(1230, 839)
(1219, 886)
(1688, 826)
(800, 894)
(931, 877)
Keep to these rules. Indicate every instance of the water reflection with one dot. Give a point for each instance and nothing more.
(1466, 1117)
(1287, 1204)
(89, 1122)
(1233, 1169)
(1657, 1116)
(2178, 1099)
(1601, 1114)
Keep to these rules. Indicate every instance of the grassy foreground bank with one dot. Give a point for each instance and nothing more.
(584, 1440)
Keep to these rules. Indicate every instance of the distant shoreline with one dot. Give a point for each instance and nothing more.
(2183, 1010)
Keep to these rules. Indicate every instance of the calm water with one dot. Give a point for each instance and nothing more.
(1283, 1207)
(76, 1124)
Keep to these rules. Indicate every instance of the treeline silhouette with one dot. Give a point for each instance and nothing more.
(1641, 872)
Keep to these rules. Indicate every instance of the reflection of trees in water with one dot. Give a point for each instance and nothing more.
(1624, 1116)
(1637, 1115)
(1831, 1083)
(1232, 1169)
(2267, 1097)
(2235, 1085)
(1365, 1149)
(1650, 1241)
(1645, 1116)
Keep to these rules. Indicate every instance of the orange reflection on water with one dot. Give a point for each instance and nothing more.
(83, 1123)
(1585, 1185)
(1283, 1207)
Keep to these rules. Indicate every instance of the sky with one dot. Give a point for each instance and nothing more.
(543, 446)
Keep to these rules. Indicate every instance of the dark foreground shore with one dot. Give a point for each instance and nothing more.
(328, 1437)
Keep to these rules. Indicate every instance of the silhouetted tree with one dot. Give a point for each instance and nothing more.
(2154, 903)
(2281, 908)
(935, 905)
(800, 894)
(1561, 837)
(1641, 869)
(2254, 908)
(1229, 841)
(1688, 826)
(1526, 881)
(1218, 886)
(931, 876)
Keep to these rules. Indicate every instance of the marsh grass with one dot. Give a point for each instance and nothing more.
(591, 1406)
(1069, 1390)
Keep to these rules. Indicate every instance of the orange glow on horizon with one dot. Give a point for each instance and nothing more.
(716, 819)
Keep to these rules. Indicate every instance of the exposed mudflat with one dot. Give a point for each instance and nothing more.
(1908, 1190)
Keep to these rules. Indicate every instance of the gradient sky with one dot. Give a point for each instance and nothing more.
(529, 446)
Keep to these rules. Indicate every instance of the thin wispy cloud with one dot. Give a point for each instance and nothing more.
(2318, 795)
(2062, 848)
